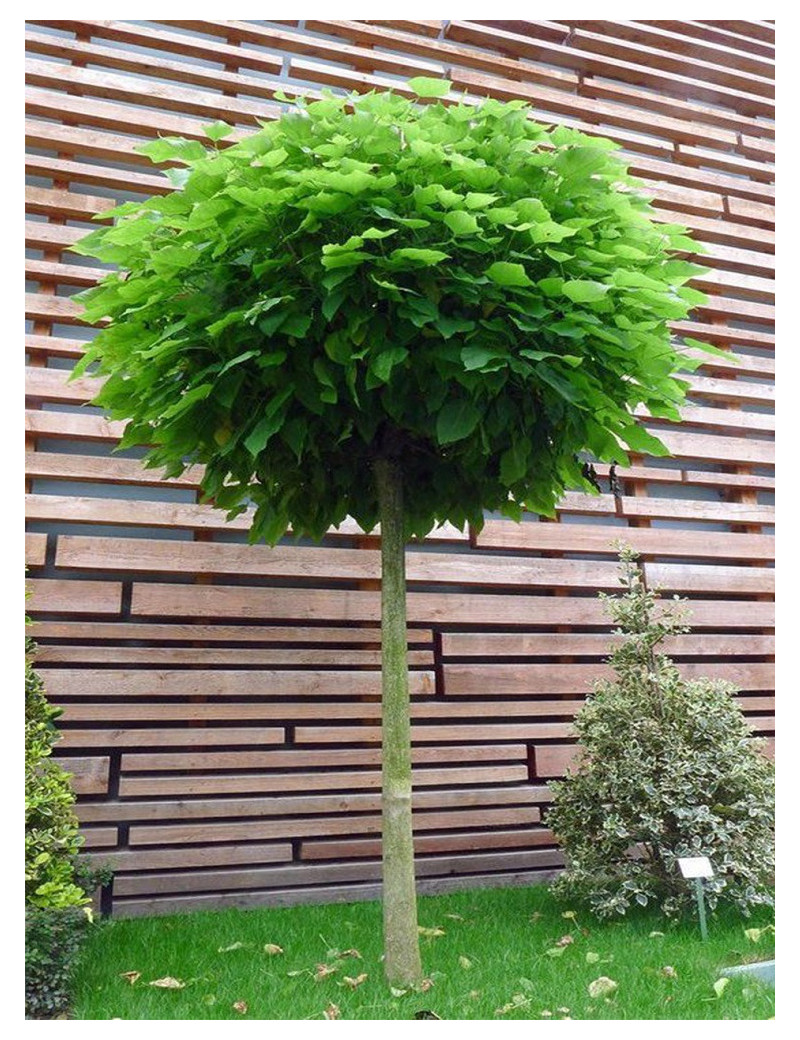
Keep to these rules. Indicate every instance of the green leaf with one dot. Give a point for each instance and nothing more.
(461, 223)
(507, 274)
(584, 291)
(216, 131)
(481, 358)
(456, 421)
(638, 439)
(373, 232)
(383, 363)
(514, 462)
(420, 256)
(426, 87)
(720, 986)
(479, 199)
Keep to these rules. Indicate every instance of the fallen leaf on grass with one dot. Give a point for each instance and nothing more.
(656, 935)
(233, 946)
(465, 963)
(168, 983)
(130, 976)
(545, 1013)
(240, 1006)
(669, 972)
(431, 933)
(519, 1000)
(565, 940)
(324, 970)
(425, 985)
(454, 917)
(592, 958)
(356, 982)
(556, 951)
(719, 986)
(272, 949)
(569, 914)
(332, 1011)
(397, 992)
(602, 987)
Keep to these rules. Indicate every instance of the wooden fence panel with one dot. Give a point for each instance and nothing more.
(221, 715)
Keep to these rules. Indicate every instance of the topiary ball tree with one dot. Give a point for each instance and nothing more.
(668, 768)
(406, 313)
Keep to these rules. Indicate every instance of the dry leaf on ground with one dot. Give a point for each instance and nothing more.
(130, 976)
(240, 1006)
(168, 982)
(332, 1011)
(602, 987)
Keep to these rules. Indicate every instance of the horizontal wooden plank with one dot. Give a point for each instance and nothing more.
(596, 538)
(554, 760)
(265, 829)
(283, 711)
(71, 682)
(65, 204)
(211, 856)
(54, 595)
(98, 469)
(494, 680)
(99, 837)
(147, 513)
(305, 758)
(335, 657)
(455, 733)
(54, 346)
(341, 804)
(249, 783)
(67, 171)
(219, 601)
(110, 630)
(222, 736)
(87, 775)
(684, 578)
(524, 837)
(588, 644)
(35, 549)
(51, 384)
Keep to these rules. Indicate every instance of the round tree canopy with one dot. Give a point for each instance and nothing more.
(450, 286)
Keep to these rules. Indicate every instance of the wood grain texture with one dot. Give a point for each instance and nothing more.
(221, 717)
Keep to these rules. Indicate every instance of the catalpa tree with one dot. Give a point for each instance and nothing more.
(406, 313)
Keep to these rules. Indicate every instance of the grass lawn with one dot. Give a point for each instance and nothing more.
(499, 953)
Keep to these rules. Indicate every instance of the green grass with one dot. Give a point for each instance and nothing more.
(493, 953)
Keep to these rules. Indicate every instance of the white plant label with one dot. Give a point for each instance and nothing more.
(696, 866)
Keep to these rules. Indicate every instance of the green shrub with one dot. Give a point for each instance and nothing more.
(56, 888)
(51, 829)
(668, 769)
(52, 940)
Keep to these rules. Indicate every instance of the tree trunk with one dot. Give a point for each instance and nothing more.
(401, 938)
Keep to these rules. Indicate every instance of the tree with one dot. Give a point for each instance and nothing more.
(668, 768)
(447, 296)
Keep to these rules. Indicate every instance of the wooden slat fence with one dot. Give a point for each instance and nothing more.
(221, 702)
